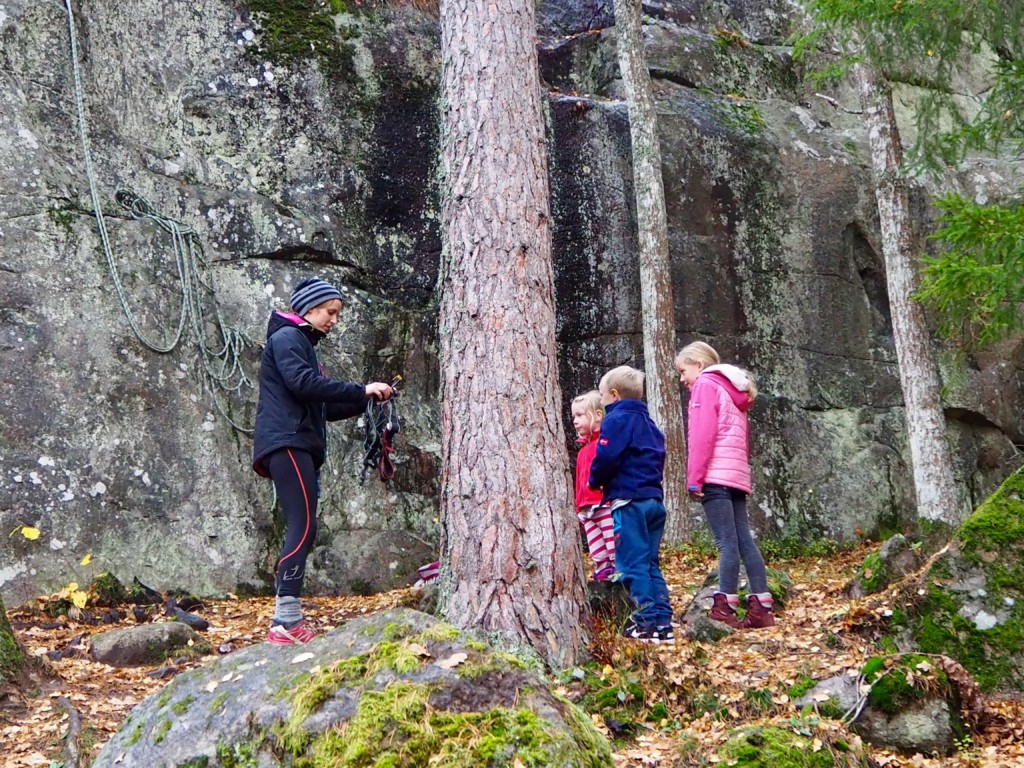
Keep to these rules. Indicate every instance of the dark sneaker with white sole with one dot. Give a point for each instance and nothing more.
(666, 635)
(641, 634)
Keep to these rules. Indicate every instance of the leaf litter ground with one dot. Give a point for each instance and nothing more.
(697, 692)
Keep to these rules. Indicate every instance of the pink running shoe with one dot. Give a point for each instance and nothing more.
(300, 634)
(605, 574)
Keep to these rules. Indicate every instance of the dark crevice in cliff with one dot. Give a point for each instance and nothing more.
(970, 418)
(672, 77)
(300, 252)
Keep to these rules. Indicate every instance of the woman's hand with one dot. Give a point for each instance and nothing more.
(378, 390)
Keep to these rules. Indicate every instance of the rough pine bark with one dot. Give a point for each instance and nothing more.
(934, 484)
(511, 560)
(658, 317)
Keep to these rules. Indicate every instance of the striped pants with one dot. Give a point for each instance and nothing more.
(599, 528)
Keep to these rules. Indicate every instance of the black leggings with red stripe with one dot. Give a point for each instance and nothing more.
(295, 479)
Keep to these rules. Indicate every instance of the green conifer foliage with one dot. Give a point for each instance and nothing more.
(975, 283)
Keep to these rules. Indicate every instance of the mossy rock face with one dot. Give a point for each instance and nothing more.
(973, 606)
(777, 747)
(392, 690)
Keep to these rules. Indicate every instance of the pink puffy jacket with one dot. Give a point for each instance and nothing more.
(717, 433)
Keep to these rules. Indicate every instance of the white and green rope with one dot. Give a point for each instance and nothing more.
(220, 357)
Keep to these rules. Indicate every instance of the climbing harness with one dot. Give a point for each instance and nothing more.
(382, 424)
(221, 368)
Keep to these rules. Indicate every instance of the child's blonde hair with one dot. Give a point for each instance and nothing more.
(705, 354)
(628, 382)
(698, 352)
(590, 404)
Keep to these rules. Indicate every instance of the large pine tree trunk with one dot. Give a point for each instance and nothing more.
(935, 487)
(510, 544)
(12, 658)
(658, 318)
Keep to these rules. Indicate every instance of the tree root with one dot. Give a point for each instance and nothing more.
(72, 754)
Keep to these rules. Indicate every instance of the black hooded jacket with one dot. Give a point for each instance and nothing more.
(296, 399)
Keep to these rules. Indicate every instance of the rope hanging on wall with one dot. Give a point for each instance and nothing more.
(221, 367)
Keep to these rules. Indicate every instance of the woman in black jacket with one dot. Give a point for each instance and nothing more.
(295, 403)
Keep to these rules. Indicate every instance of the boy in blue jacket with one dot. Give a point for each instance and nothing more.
(628, 467)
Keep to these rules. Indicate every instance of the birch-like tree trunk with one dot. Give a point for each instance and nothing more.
(511, 561)
(658, 318)
(934, 484)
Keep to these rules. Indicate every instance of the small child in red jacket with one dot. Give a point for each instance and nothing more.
(598, 524)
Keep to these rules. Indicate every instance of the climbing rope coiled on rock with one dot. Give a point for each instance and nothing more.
(221, 367)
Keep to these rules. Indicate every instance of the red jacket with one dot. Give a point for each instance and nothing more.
(586, 497)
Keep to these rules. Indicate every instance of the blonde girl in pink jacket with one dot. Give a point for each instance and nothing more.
(718, 473)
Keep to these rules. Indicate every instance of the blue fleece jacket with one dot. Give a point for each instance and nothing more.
(630, 458)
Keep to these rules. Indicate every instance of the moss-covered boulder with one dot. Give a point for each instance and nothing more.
(909, 702)
(894, 559)
(912, 706)
(398, 689)
(798, 745)
(972, 606)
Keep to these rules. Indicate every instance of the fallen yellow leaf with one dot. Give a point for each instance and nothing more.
(29, 532)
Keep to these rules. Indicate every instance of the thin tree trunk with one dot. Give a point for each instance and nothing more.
(658, 318)
(511, 560)
(937, 497)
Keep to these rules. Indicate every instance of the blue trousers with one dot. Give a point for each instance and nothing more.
(639, 526)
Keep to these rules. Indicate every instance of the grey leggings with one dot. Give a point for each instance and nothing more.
(726, 511)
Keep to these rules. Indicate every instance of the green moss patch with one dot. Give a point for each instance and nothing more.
(106, 590)
(900, 681)
(775, 747)
(997, 526)
(872, 573)
(406, 717)
(238, 755)
(11, 656)
(298, 30)
(395, 728)
(988, 638)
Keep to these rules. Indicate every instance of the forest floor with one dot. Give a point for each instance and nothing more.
(670, 705)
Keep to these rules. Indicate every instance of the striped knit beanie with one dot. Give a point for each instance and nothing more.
(310, 293)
